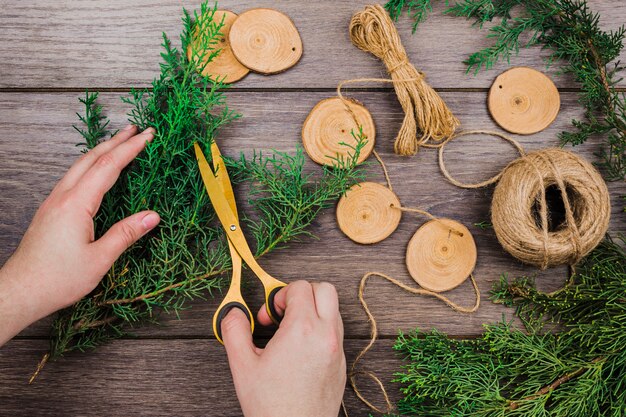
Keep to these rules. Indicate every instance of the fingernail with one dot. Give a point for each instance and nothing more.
(149, 130)
(129, 127)
(150, 220)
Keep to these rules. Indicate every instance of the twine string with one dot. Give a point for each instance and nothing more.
(481, 184)
(352, 376)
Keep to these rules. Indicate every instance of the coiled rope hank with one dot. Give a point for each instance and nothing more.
(372, 30)
(519, 208)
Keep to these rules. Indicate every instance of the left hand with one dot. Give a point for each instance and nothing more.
(59, 261)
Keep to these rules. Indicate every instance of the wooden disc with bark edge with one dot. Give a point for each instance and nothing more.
(365, 214)
(266, 41)
(330, 123)
(438, 259)
(523, 100)
(224, 66)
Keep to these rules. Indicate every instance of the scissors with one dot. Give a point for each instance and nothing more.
(220, 191)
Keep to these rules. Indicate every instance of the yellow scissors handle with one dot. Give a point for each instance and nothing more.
(271, 285)
(233, 298)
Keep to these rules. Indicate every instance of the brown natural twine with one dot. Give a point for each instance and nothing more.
(519, 209)
(352, 376)
(373, 31)
(354, 373)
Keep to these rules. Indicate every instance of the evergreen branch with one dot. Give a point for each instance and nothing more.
(186, 256)
(513, 405)
(417, 10)
(574, 369)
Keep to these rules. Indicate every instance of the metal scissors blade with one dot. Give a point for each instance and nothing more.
(221, 173)
(214, 188)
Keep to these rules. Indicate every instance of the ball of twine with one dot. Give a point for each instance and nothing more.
(372, 30)
(521, 217)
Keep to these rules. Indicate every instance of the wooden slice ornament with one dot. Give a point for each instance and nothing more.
(224, 66)
(365, 214)
(266, 41)
(330, 124)
(523, 100)
(441, 255)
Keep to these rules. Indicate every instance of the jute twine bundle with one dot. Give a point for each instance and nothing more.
(372, 30)
(519, 208)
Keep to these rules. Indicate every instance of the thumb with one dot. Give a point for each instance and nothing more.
(124, 233)
(237, 339)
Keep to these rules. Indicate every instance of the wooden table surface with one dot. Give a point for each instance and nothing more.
(52, 51)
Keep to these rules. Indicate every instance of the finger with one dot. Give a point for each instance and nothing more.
(263, 317)
(106, 170)
(237, 339)
(122, 235)
(296, 300)
(326, 301)
(85, 162)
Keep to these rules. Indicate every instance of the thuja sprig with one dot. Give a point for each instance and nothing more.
(94, 120)
(186, 256)
(576, 369)
(573, 35)
(418, 10)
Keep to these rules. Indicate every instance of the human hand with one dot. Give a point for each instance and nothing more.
(58, 260)
(302, 370)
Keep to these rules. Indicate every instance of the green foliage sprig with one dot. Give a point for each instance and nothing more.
(186, 255)
(572, 33)
(418, 10)
(578, 369)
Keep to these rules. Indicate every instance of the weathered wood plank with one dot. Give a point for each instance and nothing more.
(36, 147)
(115, 43)
(145, 378)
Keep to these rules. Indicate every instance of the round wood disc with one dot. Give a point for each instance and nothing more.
(523, 100)
(224, 66)
(365, 214)
(329, 124)
(265, 41)
(438, 258)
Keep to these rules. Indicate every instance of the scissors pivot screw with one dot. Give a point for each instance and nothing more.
(233, 227)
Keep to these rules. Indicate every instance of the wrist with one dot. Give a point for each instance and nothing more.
(18, 305)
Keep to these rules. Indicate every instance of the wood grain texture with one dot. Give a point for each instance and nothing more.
(178, 368)
(37, 146)
(115, 43)
(147, 378)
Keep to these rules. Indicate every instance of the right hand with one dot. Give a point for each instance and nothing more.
(302, 370)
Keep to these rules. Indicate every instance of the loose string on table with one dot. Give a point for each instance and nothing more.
(352, 375)
(352, 114)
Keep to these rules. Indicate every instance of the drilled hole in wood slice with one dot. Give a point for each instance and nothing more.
(266, 41)
(224, 66)
(523, 100)
(330, 123)
(438, 258)
(365, 214)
